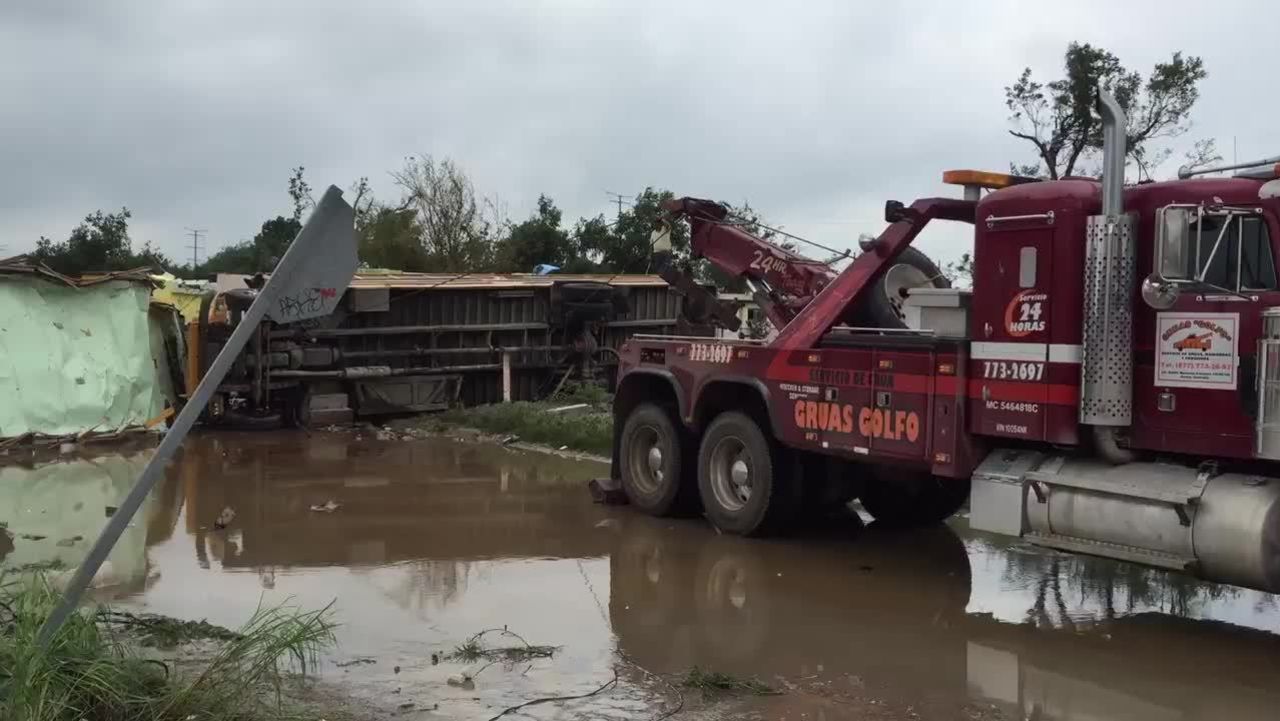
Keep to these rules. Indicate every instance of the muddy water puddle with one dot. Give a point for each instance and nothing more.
(421, 544)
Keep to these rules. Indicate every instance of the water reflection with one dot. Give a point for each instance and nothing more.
(52, 512)
(892, 611)
(434, 540)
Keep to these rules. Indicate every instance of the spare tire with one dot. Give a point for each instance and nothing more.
(882, 305)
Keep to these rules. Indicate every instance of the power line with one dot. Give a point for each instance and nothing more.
(195, 244)
(619, 198)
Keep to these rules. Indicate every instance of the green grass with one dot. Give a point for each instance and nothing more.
(91, 670)
(588, 429)
(715, 682)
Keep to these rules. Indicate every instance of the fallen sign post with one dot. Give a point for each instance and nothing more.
(307, 283)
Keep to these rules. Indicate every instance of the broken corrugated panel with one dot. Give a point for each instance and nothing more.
(78, 355)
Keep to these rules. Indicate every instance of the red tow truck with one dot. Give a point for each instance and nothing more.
(1058, 397)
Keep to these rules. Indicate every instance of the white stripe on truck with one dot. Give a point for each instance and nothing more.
(1053, 352)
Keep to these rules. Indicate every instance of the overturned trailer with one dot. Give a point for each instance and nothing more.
(406, 342)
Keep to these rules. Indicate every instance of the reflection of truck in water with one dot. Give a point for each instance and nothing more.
(402, 342)
(1053, 430)
(1203, 341)
(889, 611)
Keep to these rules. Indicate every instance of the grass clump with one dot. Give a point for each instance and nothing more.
(91, 671)
(715, 682)
(585, 430)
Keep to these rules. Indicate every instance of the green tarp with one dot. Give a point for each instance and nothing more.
(75, 359)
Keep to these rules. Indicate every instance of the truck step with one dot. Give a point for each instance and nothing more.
(1159, 482)
(1117, 551)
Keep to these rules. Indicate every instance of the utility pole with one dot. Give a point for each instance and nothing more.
(195, 245)
(618, 197)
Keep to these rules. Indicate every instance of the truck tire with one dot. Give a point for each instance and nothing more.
(882, 306)
(652, 459)
(912, 498)
(740, 491)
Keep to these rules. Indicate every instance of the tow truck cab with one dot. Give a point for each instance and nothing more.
(1195, 361)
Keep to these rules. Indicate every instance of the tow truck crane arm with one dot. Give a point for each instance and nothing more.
(783, 282)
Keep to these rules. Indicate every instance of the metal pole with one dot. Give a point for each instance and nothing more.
(312, 268)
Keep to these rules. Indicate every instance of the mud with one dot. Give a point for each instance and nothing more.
(431, 541)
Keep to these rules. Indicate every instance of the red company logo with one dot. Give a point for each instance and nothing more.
(1025, 314)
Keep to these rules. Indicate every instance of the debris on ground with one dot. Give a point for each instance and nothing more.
(715, 682)
(385, 434)
(566, 409)
(356, 662)
(474, 650)
(164, 632)
(588, 429)
(328, 506)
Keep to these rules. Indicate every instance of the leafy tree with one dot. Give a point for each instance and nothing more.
(1059, 118)
(960, 271)
(391, 238)
(627, 247)
(300, 193)
(540, 239)
(252, 256)
(456, 237)
(100, 242)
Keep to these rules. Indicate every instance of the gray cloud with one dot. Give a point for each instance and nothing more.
(815, 113)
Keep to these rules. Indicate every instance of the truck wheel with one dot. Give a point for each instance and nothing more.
(652, 462)
(882, 306)
(912, 499)
(740, 492)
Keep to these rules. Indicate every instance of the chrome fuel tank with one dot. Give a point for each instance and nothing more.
(1220, 527)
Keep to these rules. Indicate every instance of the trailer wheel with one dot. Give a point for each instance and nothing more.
(652, 462)
(882, 306)
(912, 499)
(740, 492)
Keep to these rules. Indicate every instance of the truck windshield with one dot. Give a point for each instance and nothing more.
(1243, 259)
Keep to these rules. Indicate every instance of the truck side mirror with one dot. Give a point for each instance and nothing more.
(1173, 248)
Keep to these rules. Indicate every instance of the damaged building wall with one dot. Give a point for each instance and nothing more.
(76, 358)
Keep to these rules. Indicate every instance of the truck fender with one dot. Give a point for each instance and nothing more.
(664, 374)
(622, 404)
(751, 382)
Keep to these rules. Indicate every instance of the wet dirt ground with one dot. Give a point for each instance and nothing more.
(433, 540)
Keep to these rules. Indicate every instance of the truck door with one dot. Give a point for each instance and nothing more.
(1195, 390)
(1010, 328)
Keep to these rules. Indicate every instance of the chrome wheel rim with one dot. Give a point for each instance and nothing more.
(647, 455)
(731, 474)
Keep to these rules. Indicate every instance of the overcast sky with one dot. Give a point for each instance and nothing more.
(192, 113)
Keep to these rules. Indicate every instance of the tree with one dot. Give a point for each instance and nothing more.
(391, 238)
(627, 247)
(100, 242)
(300, 193)
(960, 271)
(455, 235)
(540, 239)
(1059, 118)
(252, 256)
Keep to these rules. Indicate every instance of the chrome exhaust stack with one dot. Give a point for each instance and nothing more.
(1106, 368)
